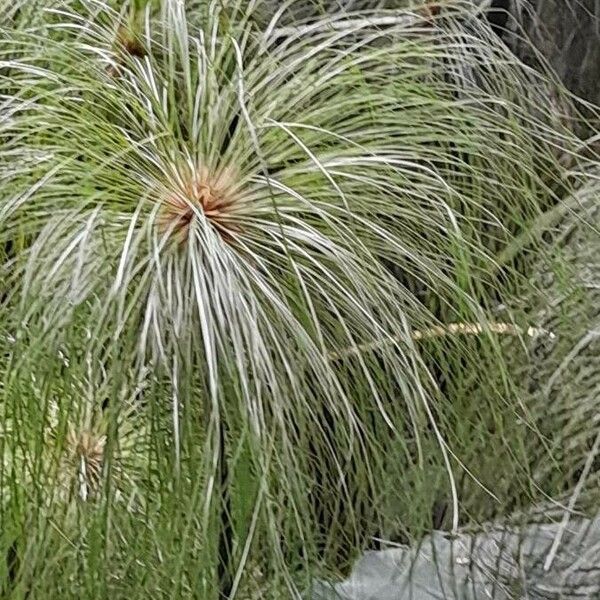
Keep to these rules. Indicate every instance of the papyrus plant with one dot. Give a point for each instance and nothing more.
(229, 210)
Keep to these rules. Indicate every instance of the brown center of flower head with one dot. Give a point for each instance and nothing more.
(214, 196)
(131, 43)
(127, 42)
(86, 457)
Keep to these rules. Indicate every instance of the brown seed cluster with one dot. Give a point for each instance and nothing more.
(430, 10)
(212, 195)
(84, 458)
(127, 42)
(130, 43)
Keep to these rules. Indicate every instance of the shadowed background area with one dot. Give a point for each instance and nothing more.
(565, 32)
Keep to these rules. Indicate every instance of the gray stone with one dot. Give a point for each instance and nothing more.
(502, 563)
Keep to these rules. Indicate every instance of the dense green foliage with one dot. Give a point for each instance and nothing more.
(205, 214)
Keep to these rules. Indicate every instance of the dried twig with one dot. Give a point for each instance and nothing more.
(436, 331)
